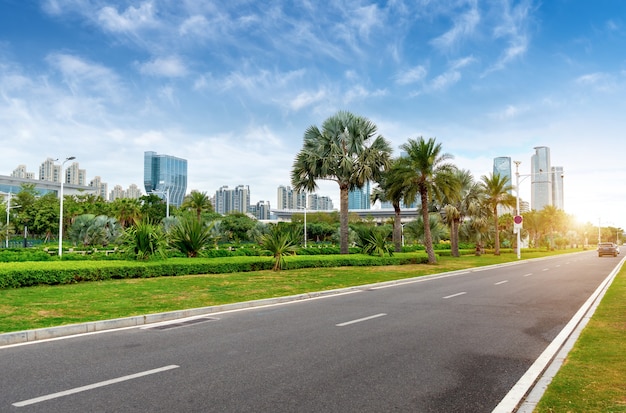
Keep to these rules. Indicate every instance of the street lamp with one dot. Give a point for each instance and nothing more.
(304, 207)
(61, 206)
(9, 206)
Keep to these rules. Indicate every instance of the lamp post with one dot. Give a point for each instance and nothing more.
(9, 206)
(517, 212)
(61, 205)
(304, 207)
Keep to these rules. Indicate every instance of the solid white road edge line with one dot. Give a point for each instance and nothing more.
(361, 320)
(92, 386)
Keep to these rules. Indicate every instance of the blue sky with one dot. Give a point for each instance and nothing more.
(232, 86)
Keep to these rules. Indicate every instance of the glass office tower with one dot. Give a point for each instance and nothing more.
(502, 167)
(165, 175)
(541, 179)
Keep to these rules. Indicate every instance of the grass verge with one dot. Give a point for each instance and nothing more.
(593, 377)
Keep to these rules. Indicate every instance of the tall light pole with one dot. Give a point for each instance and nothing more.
(61, 205)
(519, 230)
(9, 194)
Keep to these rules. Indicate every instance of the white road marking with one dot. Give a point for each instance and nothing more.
(529, 274)
(454, 295)
(360, 320)
(545, 269)
(501, 282)
(92, 386)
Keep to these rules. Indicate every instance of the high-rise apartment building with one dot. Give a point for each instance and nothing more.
(102, 188)
(319, 203)
(166, 176)
(75, 176)
(261, 210)
(21, 172)
(116, 193)
(287, 198)
(133, 192)
(232, 200)
(48, 171)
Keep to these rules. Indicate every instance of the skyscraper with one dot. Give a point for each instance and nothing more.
(359, 198)
(557, 187)
(165, 176)
(502, 166)
(541, 179)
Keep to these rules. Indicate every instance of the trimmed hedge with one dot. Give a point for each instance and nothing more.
(22, 274)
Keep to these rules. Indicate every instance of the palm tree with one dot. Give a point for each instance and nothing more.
(459, 205)
(126, 211)
(191, 236)
(279, 242)
(425, 172)
(390, 189)
(497, 191)
(199, 202)
(346, 150)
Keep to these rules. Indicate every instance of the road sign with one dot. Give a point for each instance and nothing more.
(517, 222)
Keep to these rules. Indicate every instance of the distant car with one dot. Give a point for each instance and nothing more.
(607, 248)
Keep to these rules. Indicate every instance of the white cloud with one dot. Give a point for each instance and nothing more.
(305, 99)
(171, 66)
(464, 26)
(413, 75)
(131, 20)
(86, 78)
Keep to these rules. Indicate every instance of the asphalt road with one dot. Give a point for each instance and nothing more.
(456, 343)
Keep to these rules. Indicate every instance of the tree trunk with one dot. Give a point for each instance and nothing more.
(497, 237)
(454, 238)
(397, 229)
(343, 218)
(428, 239)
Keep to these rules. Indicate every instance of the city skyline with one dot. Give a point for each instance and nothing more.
(232, 87)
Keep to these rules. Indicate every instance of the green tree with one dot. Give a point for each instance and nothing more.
(191, 235)
(279, 242)
(26, 211)
(237, 225)
(391, 189)
(460, 204)
(145, 240)
(346, 150)
(497, 191)
(425, 172)
(416, 230)
(198, 202)
(126, 211)
(89, 229)
(46, 219)
(153, 208)
(373, 240)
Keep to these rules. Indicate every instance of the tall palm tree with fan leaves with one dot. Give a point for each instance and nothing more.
(347, 149)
